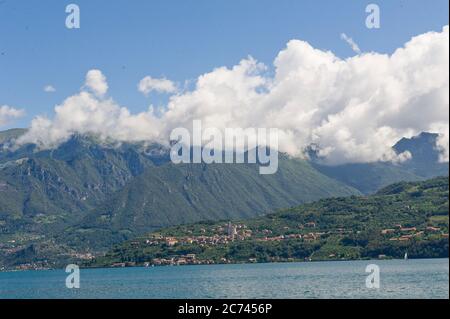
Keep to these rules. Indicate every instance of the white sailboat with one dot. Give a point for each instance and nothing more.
(406, 256)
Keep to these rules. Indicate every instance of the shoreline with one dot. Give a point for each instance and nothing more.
(223, 264)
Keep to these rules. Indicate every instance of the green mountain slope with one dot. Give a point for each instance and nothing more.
(48, 189)
(179, 194)
(368, 177)
(404, 217)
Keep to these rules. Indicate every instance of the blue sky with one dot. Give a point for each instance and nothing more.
(179, 40)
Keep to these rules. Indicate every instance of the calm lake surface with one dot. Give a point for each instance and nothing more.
(425, 278)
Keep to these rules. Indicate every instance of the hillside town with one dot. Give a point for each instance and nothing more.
(227, 233)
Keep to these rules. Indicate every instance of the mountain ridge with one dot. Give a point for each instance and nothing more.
(404, 217)
(86, 196)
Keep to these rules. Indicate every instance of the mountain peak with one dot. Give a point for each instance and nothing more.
(422, 147)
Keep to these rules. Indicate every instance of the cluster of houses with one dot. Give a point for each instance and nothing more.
(400, 233)
(306, 237)
(223, 236)
(226, 233)
(32, 266)
(82, 256)
(229, 232)
(10, 249)
(189, 259)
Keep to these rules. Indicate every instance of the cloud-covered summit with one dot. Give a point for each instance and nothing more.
(353, 109)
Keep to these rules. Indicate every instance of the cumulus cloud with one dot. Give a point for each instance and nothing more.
(354, 110)
(351, 43)
(7, 114)
(96, 82)
(84, 113)
(149, 84)
(49, 89)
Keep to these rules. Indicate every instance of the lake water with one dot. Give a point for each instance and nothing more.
(426, 278)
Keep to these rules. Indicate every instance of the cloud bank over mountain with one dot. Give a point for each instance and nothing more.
(353, 109)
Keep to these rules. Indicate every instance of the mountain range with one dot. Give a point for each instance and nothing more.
(88, 194)
(404, 217)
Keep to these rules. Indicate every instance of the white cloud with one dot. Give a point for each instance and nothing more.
(354, 109)
(84, 113)
(7, 114)
(351, 43)
(149, 84)
(442, 145)
(49, 89)
(96, 82)
(443, 141)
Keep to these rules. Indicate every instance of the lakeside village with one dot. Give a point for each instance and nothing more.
(228, 233)
(222, 235)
